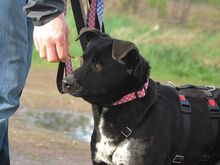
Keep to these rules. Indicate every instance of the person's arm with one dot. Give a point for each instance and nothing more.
(51, 32)
(52, 39)
(42, 11)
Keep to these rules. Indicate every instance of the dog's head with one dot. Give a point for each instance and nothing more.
(110, 69)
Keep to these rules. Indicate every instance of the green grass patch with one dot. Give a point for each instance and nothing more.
(178, 54)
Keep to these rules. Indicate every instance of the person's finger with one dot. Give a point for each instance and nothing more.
(51, 53)
(42, 52)
(61, 48)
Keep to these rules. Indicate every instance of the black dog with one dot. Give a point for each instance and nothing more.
(136, 120)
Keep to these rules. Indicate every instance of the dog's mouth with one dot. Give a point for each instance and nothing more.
(78, 91)
(72, 90)
(91, 99)
(72, 87)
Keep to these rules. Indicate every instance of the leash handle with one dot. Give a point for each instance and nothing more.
(60, 74)
(62, 66)
(96, 21)
(67, 67)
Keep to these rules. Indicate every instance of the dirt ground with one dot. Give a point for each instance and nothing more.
(37, 146)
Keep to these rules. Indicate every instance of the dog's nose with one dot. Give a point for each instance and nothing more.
(70, 85)
(67, 83)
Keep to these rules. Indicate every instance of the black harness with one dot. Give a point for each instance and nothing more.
(186, 109)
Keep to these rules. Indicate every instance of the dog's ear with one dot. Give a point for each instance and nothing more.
(90, 33)
(125, 52)
(120, 49)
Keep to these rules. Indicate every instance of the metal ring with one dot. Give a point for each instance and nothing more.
(172, 84)
(212, 88)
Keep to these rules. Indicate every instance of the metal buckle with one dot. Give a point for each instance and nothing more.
(214, 110)
(186, 108)
(126, 132)
(171, 84)
(212, 88)
(178, 159)
(185, 105)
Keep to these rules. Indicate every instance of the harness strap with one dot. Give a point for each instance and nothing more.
(190, 86)
(214, 114)
(186, 111)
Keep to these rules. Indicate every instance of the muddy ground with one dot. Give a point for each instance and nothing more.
(30, 145)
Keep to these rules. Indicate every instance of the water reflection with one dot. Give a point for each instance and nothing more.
(75, 125)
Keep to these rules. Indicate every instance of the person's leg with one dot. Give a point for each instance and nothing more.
(15, 58)
(4, 153)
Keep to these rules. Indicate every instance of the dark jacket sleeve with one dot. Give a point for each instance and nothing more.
(42, 11)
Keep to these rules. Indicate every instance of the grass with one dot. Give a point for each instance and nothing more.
(178, 54)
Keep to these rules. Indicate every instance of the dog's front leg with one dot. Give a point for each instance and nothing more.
(93, 149)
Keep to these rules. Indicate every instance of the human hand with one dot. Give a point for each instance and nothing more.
(52, 39)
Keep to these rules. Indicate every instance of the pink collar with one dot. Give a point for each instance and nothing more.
(133, 95)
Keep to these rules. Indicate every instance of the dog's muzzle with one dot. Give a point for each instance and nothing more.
(70, 85)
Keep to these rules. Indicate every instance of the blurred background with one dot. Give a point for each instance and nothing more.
(180, 39)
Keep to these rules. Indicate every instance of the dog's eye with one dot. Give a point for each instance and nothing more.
(98, 66)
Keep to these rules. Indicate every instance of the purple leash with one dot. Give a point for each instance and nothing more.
(96, 6)
(95, 11)
(68, 65)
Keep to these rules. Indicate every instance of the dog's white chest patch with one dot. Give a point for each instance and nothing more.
(108, 152)
(122, 154)
(105, 149)
(111, 154)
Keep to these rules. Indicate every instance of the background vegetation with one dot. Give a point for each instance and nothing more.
(180, 38)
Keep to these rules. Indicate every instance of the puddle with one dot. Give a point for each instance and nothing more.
(72, 124)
